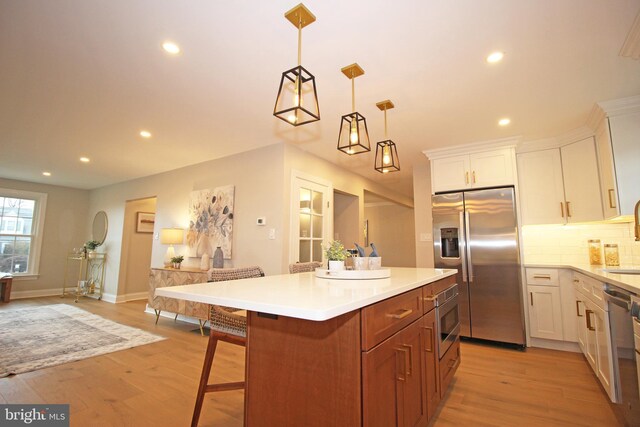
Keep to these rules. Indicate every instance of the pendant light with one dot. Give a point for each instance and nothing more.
(354, 136)
(386, 152)
(297, 100)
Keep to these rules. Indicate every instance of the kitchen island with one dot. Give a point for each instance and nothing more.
(324, 352)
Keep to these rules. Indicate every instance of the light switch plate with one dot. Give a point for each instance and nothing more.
(272, 234)
(426, 237)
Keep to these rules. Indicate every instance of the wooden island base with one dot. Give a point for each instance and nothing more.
(376, 366)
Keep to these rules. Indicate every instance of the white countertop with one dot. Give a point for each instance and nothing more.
(303, 295)
(630, 282)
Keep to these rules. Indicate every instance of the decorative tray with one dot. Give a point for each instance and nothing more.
(353, 274)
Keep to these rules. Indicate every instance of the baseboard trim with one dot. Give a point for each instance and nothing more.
(118, 299)
(36, 293)
(556, 345)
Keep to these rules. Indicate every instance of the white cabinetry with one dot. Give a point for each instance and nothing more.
(550, 305)
(545, 312)
(594, 336)
(617, 138)
(475, 170)
(560, 185)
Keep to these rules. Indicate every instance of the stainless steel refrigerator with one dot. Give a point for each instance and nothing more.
(477, 233)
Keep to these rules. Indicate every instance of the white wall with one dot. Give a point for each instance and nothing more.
(65, 228)
(391, 229)
(346, 227)
(136, 252)
(258, 179)
(422, 212)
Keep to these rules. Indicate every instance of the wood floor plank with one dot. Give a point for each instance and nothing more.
(155, 384)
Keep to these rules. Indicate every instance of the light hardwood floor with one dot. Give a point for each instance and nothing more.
(155, 384)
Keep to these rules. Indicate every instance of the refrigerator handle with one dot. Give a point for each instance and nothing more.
(464, 250)
(467, 247)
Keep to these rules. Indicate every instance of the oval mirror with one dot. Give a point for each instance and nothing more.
(99, 228)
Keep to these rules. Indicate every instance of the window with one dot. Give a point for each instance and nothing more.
(21, 229)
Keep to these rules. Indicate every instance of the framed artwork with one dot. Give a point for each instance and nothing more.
(145, 222)
(211, 221)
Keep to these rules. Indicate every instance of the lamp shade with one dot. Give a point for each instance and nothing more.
(171, 236)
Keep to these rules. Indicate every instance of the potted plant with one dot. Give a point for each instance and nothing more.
(176, 261)
(336, 253)
(91, 246)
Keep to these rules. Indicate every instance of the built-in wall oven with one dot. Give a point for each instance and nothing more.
(448, 318)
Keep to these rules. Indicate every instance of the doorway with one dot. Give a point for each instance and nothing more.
(135, 261)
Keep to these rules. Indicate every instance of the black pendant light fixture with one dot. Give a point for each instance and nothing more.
(354, 136)
(386, 153)
(297, 100)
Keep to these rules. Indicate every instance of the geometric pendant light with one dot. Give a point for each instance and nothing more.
(297, 100)
(386, 153)
(354, 136)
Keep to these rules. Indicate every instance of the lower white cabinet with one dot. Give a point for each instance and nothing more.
(594, 336)
(545, 312)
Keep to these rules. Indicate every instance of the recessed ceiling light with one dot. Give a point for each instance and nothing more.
(171, 48)
(504, 122)
(46, 173)
(145, 134)
(84, 159)
(495, 57)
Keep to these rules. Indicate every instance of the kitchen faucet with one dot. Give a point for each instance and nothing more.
(637, 220)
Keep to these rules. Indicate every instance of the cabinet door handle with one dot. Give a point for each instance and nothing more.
(400, 314)
(612, 199)
(466, 177)
(430, 339)
(531, 296)
(576, 281)
(430, 298)
(474, 176)
(588, 313)
(401, 364)
(568, 210)
(409, 366)
(542, 276)
(578, 308)
(562, 209)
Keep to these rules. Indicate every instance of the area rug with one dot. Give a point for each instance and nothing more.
(49, 335)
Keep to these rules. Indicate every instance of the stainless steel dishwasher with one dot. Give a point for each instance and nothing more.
(623, 319)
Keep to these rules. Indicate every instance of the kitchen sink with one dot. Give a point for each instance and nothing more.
(634, 270)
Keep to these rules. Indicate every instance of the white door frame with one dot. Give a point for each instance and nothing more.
(300, 179)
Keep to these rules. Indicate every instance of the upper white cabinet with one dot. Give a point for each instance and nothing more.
(560, 185)
(617, 133)
(475, 170)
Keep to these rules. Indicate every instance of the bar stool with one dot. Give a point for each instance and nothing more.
(304, 267)
(226, 324)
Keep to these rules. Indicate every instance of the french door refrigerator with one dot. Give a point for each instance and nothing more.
(476, 232)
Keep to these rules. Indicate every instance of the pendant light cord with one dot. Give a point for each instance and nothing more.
(299, 42)
(353, 93)
(385, 122)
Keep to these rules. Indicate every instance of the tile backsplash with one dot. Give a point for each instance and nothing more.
(560, 244)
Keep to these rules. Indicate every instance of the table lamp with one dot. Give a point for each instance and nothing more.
(171, 236)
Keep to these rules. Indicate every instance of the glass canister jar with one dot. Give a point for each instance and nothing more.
(611, 256)
(595, 252)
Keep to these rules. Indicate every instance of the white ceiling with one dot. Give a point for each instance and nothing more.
(83, 77)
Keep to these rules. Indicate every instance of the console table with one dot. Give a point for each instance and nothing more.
(167, 277)
(90, 275)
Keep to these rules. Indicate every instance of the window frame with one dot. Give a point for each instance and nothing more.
(37, 228)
